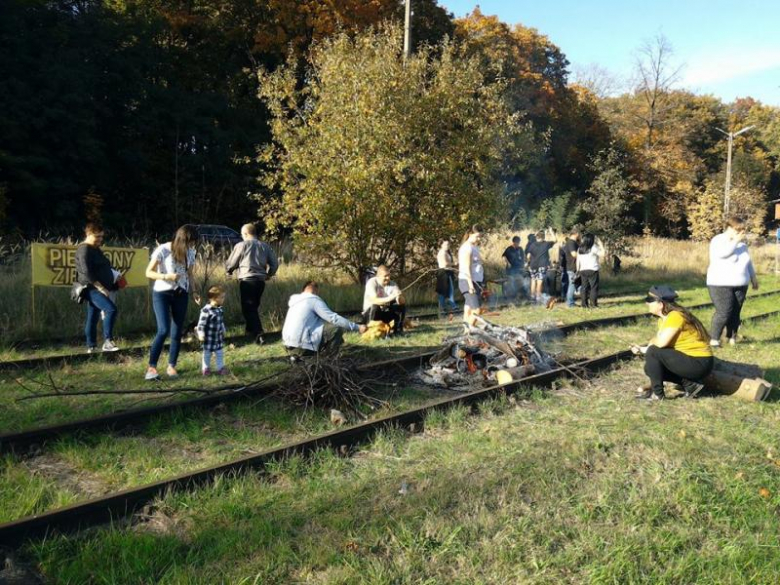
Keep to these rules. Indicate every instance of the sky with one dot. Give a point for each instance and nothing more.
(726, 48)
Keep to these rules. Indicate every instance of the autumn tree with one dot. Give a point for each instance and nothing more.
(377, 159)
(566, 120)
(705, 211)
(609, 201)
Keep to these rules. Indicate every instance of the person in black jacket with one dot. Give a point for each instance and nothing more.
(93, 269)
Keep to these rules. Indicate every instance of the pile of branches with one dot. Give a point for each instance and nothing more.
(331, 382)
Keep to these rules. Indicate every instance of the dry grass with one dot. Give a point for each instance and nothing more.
(653, 259)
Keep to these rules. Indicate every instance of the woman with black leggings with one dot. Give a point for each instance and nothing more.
(680, 351)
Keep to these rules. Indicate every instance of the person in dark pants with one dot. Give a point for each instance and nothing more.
(568, 261)
(445, 279)
(171, 270)
(679, 352)
(515, 267)
(384, 301)
(256, 263)
(588, 268)
(729, 272)
(93, 269)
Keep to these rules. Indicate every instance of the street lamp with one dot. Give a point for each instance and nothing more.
(730, 135)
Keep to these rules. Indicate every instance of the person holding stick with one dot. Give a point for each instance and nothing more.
(679, 352)
(384, 301)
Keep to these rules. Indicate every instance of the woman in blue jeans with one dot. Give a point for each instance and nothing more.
(93, 269)
(171, 270)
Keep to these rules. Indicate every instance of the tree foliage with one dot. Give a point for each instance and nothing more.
(610, 198)
(705, 211)
(568, 126)
(377, 159)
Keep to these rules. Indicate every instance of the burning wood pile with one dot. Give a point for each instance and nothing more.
(486, 354)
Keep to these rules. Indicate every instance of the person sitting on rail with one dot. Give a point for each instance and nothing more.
(680, 352)
(384, 301)
(310, 327)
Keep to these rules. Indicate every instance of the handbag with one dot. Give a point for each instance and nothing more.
(577, 280)
(77, 292)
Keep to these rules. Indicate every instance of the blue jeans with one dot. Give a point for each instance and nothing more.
(170, 310)
(449, 298)
(97, 302)
(568, 288)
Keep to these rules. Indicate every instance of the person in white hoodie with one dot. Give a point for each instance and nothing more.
(306, 328)
(728, 275)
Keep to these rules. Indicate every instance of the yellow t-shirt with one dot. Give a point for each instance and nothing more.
(687, 341)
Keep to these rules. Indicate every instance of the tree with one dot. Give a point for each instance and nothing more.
(705, 212)
(566, 120)
(610, 200)
(377, 159)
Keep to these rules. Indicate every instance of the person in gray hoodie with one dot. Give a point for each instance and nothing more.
(256, 263)
(310, 327)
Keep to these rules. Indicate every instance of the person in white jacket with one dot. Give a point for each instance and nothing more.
(311, 327)
(728, 275)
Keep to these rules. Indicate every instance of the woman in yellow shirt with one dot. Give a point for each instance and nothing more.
(680, 351)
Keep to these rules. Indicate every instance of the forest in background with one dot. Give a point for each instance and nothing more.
(149, 114)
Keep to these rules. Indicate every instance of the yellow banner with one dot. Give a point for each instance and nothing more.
(55, 264)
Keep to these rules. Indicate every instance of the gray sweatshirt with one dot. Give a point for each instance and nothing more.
(305, 321)
(255, 260)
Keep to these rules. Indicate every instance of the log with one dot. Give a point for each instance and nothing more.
(510, 374)
(744, 388)
(738, 369)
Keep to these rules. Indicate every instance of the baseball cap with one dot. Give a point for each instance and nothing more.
(660, 292)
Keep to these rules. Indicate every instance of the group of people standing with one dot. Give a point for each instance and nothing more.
(530, 272)
(534, 274)
(171, 270)
(311, 327)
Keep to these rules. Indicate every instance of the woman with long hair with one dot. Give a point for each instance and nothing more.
(171, 270)
(587, 261)
(679, 352)
(471, 272)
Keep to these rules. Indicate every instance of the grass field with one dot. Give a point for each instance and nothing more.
(580, 484)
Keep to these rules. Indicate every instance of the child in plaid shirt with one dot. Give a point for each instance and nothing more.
(211, 331)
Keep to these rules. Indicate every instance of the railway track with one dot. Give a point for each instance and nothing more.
(120, 504)
(23, 440)
(113, 506)
(270, 337)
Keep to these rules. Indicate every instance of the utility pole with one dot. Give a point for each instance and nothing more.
(726, 195)
(408, 30)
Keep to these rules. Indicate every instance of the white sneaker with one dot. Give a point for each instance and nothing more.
(732, 341)
(92, 350)
(714, 343)
(108, 345)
